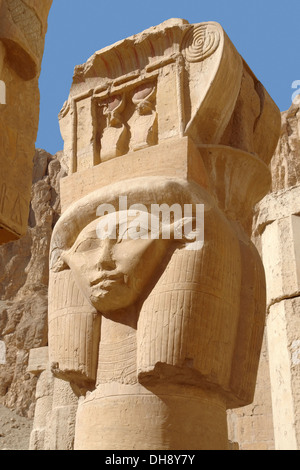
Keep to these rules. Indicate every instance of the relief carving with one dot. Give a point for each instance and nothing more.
(143, 124)
(114, 140)
(200, 42)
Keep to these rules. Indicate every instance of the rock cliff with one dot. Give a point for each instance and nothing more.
(285, 165)
(24, 285)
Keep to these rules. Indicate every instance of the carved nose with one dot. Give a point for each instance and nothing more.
(106, 261)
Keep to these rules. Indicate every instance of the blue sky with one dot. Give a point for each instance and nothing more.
(265, 32)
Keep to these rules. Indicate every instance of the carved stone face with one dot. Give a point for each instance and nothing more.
(113, 272)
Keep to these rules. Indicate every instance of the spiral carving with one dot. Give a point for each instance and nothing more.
(200, 42)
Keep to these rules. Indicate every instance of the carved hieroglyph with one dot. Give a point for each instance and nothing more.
(23, 28)
(160, 336)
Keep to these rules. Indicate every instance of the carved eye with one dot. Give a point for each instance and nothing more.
(87, 245)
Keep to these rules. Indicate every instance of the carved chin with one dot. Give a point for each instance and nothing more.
(110, 301)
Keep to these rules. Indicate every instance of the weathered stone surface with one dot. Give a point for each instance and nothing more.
(276, 233)
(44, 401)
(281, 256)
(14, 430)
(61, 418)
(38, 360)
(285, 165)
(24, 276)
(283, 330)
(252, 426)
(22, 34)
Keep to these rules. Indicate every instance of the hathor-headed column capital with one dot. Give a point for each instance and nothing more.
(163, 332)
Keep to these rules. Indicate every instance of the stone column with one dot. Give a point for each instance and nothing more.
(39, 365)
(60, 429)
(55, 409)
(22, 34)
(160, 334)
(278, 224)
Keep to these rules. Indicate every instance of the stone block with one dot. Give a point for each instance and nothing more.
(38, 360)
